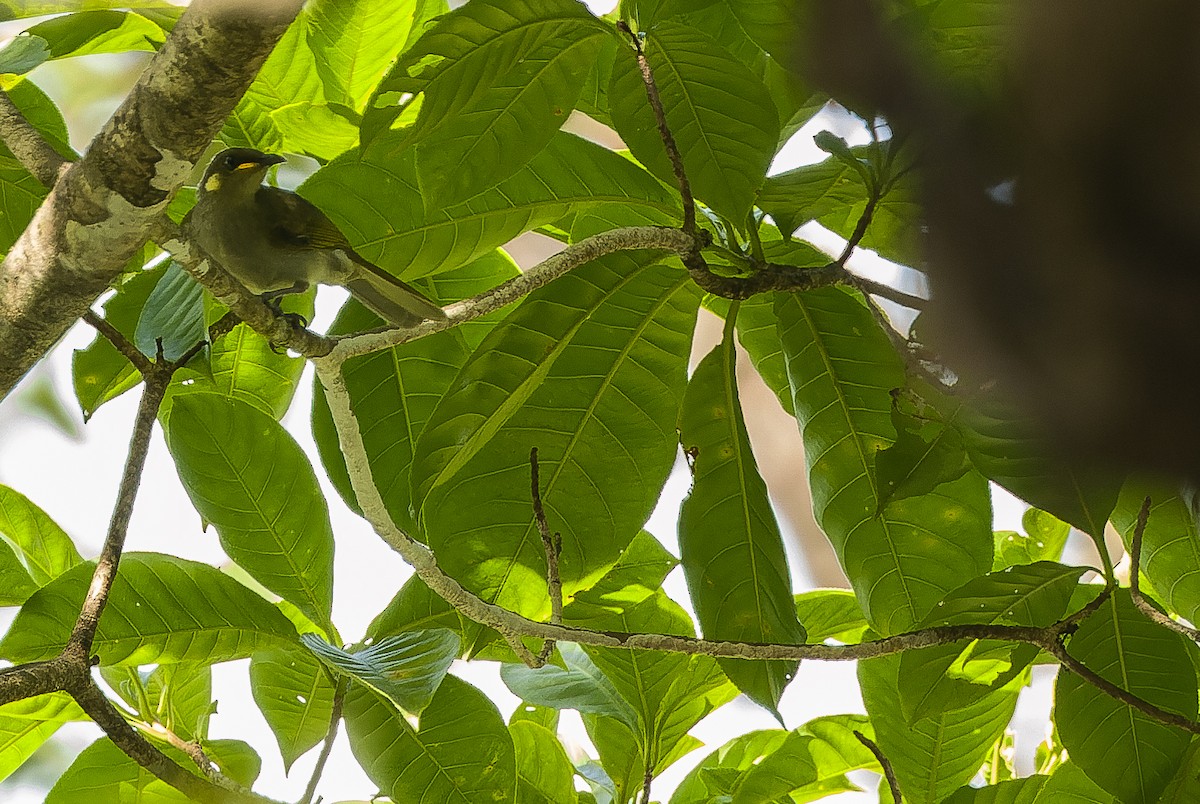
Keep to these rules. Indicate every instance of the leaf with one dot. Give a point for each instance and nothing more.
(246, 476)
(26, 725)
(20, 193)
(22, 53)
(355, 42)
(405, 237)
(461, 754)
(932, 756)
(101, 31)
(1170, 557)
(580, 686)
(181, 695)
(801, 768)
(174, 313)
(544, 773)
(927, 453)
(730, 543)
(405, 669)
(1044, 539)
(644, 563)
(943, 678)
(1017, 791)
(15, 583)
(295, 695)
(414, 607)
(47, 550)
(729, 762)
(1185, 785)
(1122, 646)
(393, 392)
(721, 116)
(162, 609)
(842, 369)
(102, 772)
(830, 614)
(603, 350)
(1012, 453)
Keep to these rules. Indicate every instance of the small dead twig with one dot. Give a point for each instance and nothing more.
(552, 542)
(889, 773)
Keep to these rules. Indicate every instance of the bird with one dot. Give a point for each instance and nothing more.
(275, 242)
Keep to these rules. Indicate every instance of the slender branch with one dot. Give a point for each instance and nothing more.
(192, 748)
(889, 773)
(119, 341)
(1135, 560)
(647, 780)
(552, 543)
(860, 228)
(339, 695)
(664, 131)
(27, 144)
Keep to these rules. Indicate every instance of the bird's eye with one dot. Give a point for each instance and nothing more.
(231, 162)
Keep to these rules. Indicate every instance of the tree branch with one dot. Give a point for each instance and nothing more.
(552, 544)
(889, 773)
(103, 207)
(339, 696)
(28, 145)
(1139, 600)
(119, 341)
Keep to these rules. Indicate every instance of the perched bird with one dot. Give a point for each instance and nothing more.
(275, 242)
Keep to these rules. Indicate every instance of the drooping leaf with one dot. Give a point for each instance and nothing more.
(46, 549)
(842, 370)
(409, 239)
(730, 543)
(603, 349)
(1124, 751)
(932, 756)
(1170, 557)
(246, 476)
(1044, 539)
(720, 114)
(580, 686)
(174, 314)
(928, 452)
(460, 754)
(162, 609)
(181, 695)
(406, 669)
(295, 695)
(544, 773)
(26, 725)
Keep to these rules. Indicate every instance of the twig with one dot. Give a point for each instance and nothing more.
(119, 341)
(647, 781)
(860, 228)
(660, 117)
(889, 773)
(193, 749)
(28, 145)
(553, 546)
(339, 695)
(1059, 651)
(1135, 560)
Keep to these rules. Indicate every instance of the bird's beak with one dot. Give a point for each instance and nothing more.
(265, 161)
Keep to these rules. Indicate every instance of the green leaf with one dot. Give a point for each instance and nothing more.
(246, 476)
(645, 563)
(722, 117)
(1126, 649)
(162, 609)
(830, 614)
(355, 42)
(405, 669)
(580, 686)
(407, 238)
(947, 677)
(842, 370)
(928, 452)
(495, 80)
(26, 725)
(414, 607)
(718, 772)
(393, 392)
(544, 773)
(1016, 791)
(101, 31)
(1044, 539)
(174, 313)
(803, 767)
(20, 193)
(46, 549)
(933, 756)
(1185, 785)
(295, 695)
(603, 350)
(103, 772)
(1170, 557)
(461, 753)
(1013, 453)
(543, 716)
(181, 695)
(730, 543)
(320, 130)
(15, 583)
(22, 53)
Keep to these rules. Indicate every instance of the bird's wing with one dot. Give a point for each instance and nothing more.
(296, 223)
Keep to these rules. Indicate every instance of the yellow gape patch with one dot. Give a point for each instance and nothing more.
(213, 183)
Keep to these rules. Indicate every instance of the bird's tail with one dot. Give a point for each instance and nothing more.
(390, 298)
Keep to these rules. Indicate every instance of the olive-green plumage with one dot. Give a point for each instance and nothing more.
(275, 242)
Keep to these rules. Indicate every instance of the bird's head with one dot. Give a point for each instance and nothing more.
(237, 168)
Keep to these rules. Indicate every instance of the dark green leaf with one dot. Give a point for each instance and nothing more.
(295, 695)
(461, 753)
(580, 686)
(23, 53)
(1124, 751)
(405, 669)
(20, 193)
(174, 314)
(1185, 785)
(414, 607)
(730, 543)
(1170, 557)
(928, 452)
(246, 475)
(162, 609)
(842, 369)
(721, 115)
